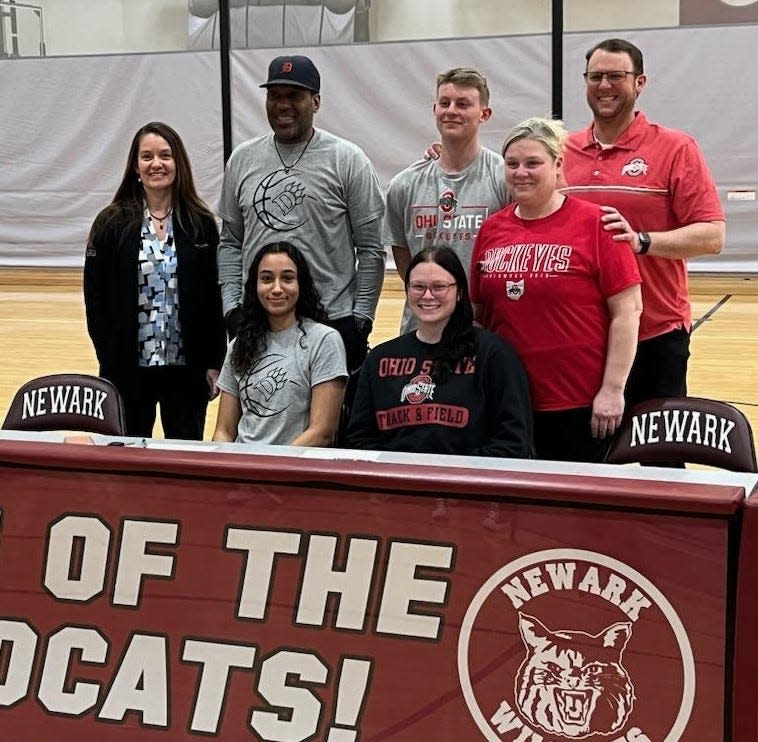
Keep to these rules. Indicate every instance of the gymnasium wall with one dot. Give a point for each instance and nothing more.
(65, 129)
(66, 123)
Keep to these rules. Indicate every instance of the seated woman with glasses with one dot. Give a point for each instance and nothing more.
(284, 376)
(549, 275)
(447, 387)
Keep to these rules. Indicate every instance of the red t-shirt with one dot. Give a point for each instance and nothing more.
(659, 180)
(542, 284)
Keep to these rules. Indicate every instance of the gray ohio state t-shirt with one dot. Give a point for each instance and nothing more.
(275, 393)
(427, 207)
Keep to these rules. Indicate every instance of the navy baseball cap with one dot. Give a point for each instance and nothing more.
(293, 70)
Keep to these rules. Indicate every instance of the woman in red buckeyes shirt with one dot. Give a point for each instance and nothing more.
(555, 277)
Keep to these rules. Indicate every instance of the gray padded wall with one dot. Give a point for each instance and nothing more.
(702, 80)
(65, 123)
(380, 95)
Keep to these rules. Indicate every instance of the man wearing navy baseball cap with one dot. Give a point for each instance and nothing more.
(313, 189)
(295, 70)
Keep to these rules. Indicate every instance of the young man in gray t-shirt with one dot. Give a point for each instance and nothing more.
(313, 189)
(444, 201)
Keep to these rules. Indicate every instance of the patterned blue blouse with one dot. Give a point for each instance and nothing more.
(159, 336)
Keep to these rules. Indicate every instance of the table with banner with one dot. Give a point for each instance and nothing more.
(175, 592)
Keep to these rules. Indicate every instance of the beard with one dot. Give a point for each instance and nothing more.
(620, 108)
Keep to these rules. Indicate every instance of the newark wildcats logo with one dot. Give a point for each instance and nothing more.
(568, 644)
(635, 167)
(260, 387)
(572, 683)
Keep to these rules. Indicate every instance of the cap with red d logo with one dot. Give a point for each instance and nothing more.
(293, 70)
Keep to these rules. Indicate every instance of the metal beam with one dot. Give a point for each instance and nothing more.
(224, 35)
(557, 58)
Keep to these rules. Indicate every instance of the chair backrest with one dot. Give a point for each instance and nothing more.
(67, 402)
(685, 430)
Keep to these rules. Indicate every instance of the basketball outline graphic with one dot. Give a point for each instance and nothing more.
(289, 194)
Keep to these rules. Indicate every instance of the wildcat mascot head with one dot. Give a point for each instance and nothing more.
(571, 683)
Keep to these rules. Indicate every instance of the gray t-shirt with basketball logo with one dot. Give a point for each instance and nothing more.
(324, 198)
(275, 393)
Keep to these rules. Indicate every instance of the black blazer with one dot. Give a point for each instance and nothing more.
(110, 293)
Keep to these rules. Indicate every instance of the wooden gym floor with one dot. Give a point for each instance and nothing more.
(42, 331)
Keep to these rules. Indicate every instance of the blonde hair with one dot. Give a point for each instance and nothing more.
(551, 133)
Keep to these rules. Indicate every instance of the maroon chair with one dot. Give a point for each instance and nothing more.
(67, 402)
(685, 430)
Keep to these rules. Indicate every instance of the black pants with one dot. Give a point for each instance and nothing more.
(660, 368)
(565, 435)
(181, 393)
(356, 348)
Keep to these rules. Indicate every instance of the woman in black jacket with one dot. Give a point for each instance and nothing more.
(151, 292)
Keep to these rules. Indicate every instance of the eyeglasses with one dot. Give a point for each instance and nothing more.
(613, 77)
(437, 289)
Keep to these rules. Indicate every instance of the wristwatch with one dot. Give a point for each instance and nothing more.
(644, 238)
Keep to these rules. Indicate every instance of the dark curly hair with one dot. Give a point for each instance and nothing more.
(251, 338)
(457, 340)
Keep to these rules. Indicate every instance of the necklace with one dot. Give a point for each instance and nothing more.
(287, 167)
(161, 219)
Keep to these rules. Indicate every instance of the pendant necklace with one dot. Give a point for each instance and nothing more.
(287, 167)
(161, 219)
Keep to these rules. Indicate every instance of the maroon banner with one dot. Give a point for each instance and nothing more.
(745, 710)
(140, 603)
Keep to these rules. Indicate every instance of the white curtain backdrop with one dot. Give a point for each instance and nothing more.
(258, 26)
(702, 80)
(65, 129)
(66, 123)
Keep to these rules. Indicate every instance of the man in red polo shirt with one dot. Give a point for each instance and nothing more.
(669, 208)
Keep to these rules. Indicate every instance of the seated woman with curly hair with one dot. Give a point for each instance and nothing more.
(284, 376)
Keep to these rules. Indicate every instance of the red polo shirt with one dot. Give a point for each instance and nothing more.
(659, 180)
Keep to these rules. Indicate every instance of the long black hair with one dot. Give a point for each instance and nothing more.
(188, 206)
(457, 341)
(251, 338)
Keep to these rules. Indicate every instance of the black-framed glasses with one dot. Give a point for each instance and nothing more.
(613, 77)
